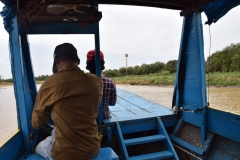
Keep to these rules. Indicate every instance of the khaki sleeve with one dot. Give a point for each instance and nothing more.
(42, 109)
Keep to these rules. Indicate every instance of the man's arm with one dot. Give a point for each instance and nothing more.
(113, 95)
(42, 110)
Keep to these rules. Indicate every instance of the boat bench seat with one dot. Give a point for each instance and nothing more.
(104, 154)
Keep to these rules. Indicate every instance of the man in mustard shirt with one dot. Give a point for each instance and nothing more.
(72, 98)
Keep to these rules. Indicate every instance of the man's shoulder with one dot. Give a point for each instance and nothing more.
(50, 81)
(105, 79)
(93, 76)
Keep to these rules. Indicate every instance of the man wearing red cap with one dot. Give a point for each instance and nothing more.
(109, 89)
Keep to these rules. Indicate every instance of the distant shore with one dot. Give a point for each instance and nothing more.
(4, 84)
(229, 79)
(213, 79)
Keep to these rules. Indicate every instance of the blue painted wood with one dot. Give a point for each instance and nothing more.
(208, 144)
(98, 66)
(177, 126)
(223, 123)
(135, 125)
(224, 149)
(201, 150)
(146, 139)
(29, 86)
(142, 103)
(130, 106)
(109, 135)
(106, 154)
(155, 123)
(60, 28)
(177, 100)
(12, 148)
(32, 157)
(186, 144)
(190, 85)
(203, 119)
(168, 143)
(121, 142)
(28, 63)
(119, 115)
(138, 125)
(117, 107)
(192, 118)
(204, 130)
(18, 72)
(152, 156)
(144, 124)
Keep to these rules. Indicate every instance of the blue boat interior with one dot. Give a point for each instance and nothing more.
(139, 128)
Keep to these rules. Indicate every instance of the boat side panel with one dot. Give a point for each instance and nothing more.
(225, 149)
(223, 123)
(12, 148)
(219, 122)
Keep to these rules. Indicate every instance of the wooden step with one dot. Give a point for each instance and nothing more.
(141, 140)
(157, 155)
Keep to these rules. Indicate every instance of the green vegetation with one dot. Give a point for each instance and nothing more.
(226, 60)
(42, 78)
(4, 82)
(157, 67)
(165, 78)
(223, 79)
(222, 68)
(39, 80)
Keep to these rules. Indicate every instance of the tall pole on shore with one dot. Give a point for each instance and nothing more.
(126, 55)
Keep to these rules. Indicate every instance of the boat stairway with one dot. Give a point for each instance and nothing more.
(168, 151)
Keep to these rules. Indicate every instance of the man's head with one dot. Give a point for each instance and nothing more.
(64, 54)
(91, 61)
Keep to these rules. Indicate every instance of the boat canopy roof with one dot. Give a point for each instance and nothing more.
(214, 9)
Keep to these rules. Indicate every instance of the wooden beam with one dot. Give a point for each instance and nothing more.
(195, 7)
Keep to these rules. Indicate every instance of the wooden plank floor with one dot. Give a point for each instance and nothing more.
(130, 107)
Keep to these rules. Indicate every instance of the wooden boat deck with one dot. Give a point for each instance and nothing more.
(132, 107)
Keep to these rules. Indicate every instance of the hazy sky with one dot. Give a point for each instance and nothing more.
(146, 34)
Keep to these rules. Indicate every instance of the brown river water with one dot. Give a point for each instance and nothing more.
(222, 98)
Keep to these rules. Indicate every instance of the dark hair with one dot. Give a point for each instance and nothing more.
(92, 67)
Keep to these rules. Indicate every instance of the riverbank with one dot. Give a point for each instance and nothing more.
(9, 84)
(212, 79)
(3, 84)
(164, 78)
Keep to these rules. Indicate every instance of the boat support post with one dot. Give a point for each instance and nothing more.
(23, 78)
(97, 62)
(190, 85)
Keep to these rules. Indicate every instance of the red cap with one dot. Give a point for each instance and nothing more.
(91, 55)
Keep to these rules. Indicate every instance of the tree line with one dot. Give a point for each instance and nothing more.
(169, 67)
(39, 78)
(226, 60)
